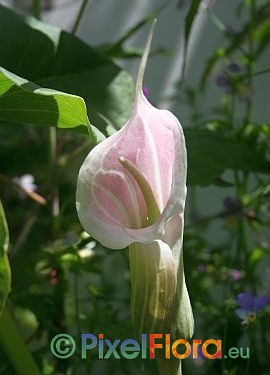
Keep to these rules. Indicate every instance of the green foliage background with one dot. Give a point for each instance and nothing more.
(55, 105)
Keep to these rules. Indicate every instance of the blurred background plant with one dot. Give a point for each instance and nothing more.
(62, 280)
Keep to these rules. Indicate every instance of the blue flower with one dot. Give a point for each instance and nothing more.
(249, 306)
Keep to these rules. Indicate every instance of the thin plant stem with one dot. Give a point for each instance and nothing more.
(170, 366)
(224, 341)
(54, 178)
(77, 297)
(79, 16)
(247, 76)
(250, 61)
(23, 235)
(242, 182)
(36, 9)
(250, 343)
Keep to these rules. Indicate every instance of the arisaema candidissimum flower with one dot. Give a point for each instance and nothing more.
(131, 192)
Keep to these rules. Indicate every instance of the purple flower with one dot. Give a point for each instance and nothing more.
(249, 306)
(201, 267)
(235, 274)
(222, 81)
(234, 67)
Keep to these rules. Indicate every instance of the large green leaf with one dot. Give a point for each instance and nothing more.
(210, 153)
(22, 101)
(5, 276)
(53, 58)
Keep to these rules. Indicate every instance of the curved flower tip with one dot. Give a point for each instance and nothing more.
(131, 191)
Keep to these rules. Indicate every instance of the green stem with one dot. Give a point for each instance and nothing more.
(241, 246)
(242, 181)
(250, 61)
(36, 9)
(77, 297)
(250, 344)
(170, 366)
(248, 75)
(224, 343)
(54, 179)
(15, 347)
(78, 19)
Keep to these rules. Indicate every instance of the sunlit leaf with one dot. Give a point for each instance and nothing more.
(22, 101)
(55, 59)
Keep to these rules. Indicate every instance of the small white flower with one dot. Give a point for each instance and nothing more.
(26, 182)
(87, 251)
